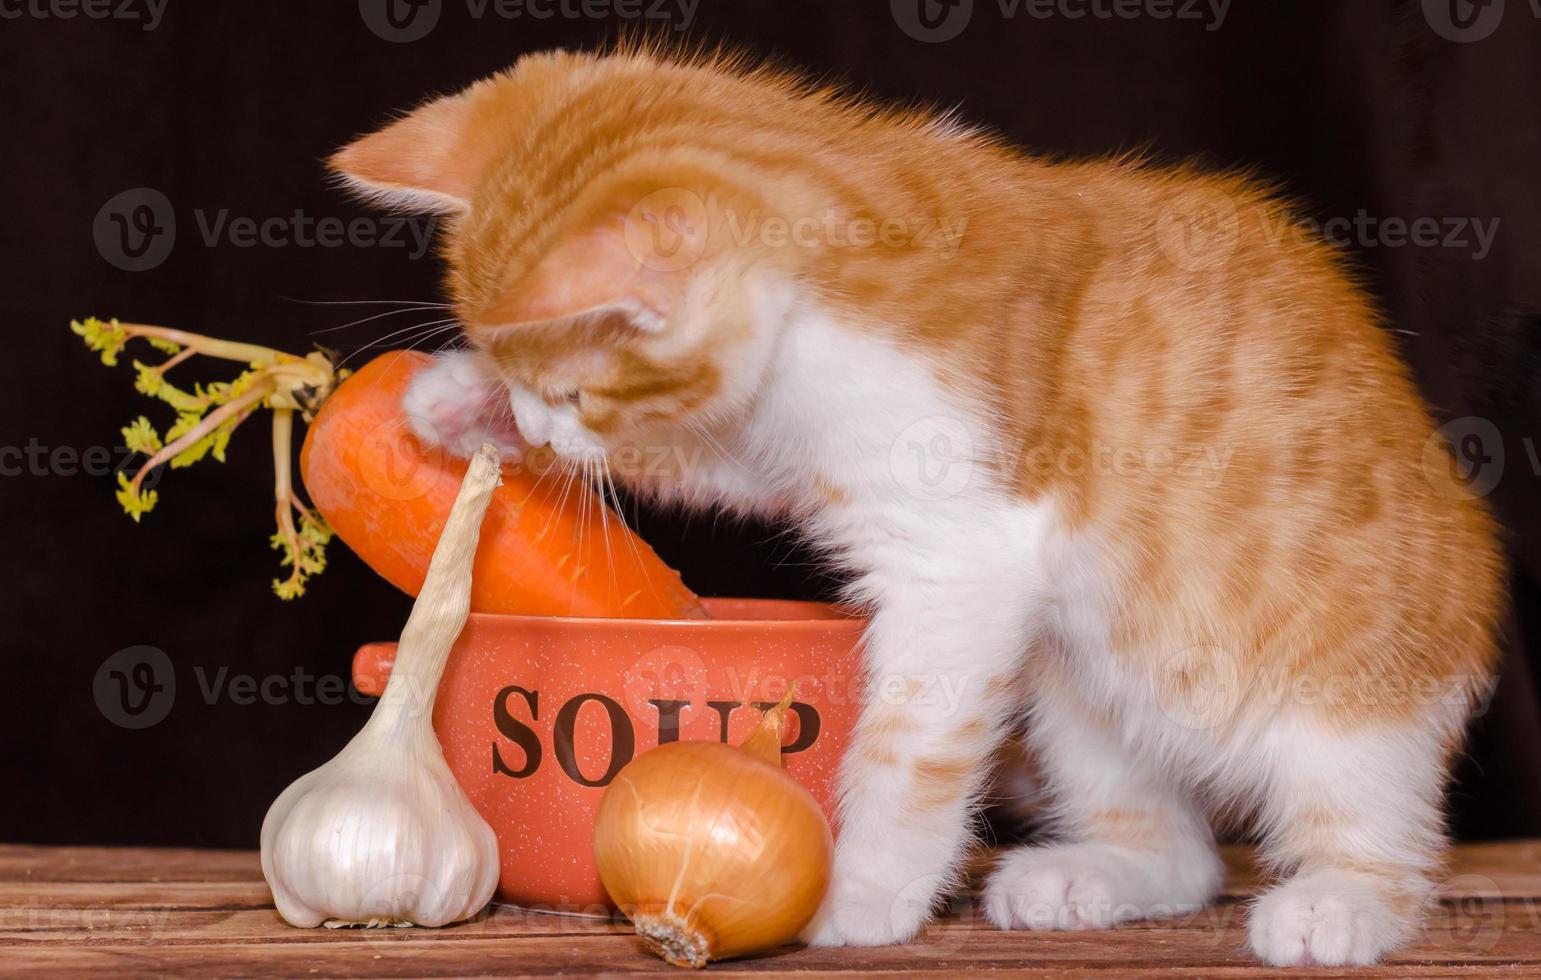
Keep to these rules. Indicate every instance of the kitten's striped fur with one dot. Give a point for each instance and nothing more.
(1205, 535)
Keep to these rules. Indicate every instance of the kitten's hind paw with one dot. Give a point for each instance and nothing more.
(1094, 886)
(1328, 919)
(857, 914)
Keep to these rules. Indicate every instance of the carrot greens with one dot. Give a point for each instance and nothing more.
(207, 415)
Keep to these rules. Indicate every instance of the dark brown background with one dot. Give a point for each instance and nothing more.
(1352, 104)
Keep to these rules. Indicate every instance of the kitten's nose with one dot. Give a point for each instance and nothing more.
(532, 417)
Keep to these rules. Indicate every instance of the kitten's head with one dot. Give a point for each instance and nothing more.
(590, 241)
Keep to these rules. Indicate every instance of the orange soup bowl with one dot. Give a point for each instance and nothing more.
(537, 714)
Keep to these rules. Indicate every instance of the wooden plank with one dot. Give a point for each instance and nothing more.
(135, 894)
(27, 862)
(68, 911)
(1489, 932)
(235, 923)
(1457, 930)
(1042, 954)
(1514, 866)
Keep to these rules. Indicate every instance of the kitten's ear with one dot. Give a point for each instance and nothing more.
(634, 261)
(429, 160)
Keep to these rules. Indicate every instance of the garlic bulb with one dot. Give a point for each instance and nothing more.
(382, 834)
(713, 851)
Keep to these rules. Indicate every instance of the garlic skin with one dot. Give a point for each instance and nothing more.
(382, 834)
(713, 851)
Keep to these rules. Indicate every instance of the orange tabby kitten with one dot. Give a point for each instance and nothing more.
(1117, 447)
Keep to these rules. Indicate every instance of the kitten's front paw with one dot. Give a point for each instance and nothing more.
(1093, 886)
(456, 402)
(1328, 919)
(858, 913)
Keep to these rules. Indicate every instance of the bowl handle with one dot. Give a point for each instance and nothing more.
(372, 667)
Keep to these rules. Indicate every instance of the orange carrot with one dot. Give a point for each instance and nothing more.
(545, 549)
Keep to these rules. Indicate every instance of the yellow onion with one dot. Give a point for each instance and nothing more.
(713, 850)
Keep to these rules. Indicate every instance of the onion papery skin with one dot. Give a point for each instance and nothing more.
(712, 852)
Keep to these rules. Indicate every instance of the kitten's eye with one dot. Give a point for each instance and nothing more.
(574, 396)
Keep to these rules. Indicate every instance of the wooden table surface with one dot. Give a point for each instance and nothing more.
(91, 912)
